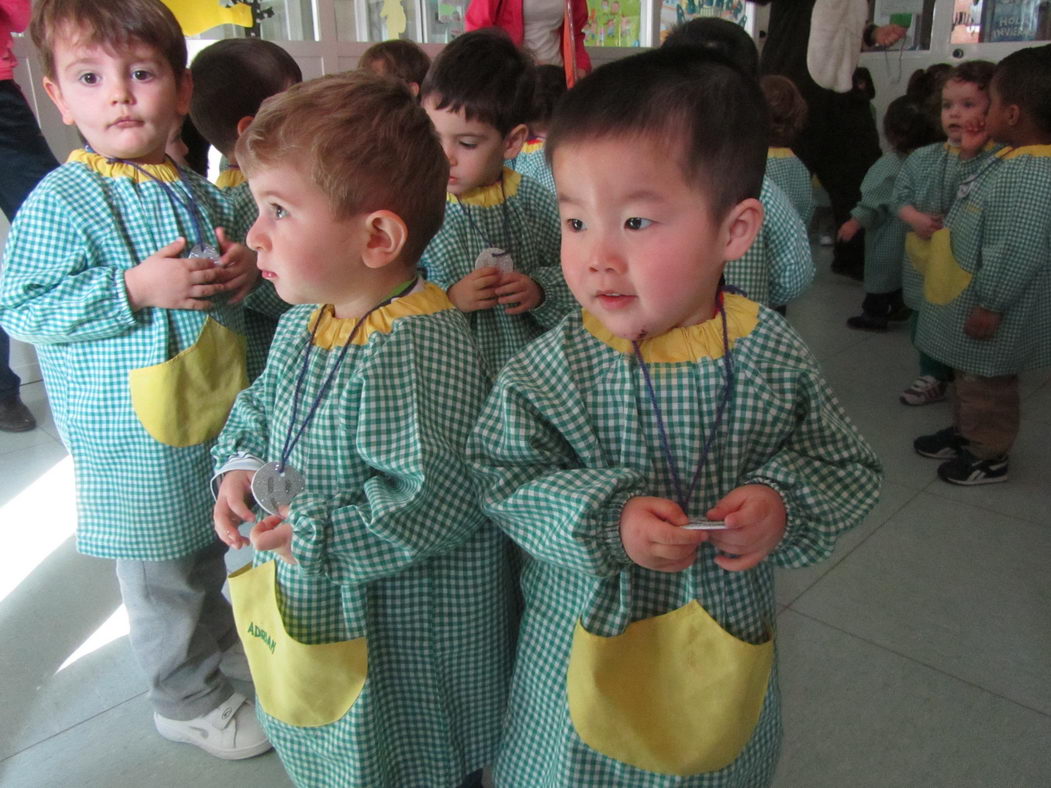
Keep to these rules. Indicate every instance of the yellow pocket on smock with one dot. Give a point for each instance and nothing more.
(185, 400)
(296, 683)
(945, 279)
(675, 694)
(917, 251)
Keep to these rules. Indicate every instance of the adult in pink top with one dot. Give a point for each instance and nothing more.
(534, 24)
(24, 159)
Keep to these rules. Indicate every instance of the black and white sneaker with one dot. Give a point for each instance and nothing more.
(942, 445)
(968, 470)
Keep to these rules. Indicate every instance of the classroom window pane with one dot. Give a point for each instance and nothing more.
(376, 20)
(676, 12)
(999, 20)
(444, 20)
(290, 20)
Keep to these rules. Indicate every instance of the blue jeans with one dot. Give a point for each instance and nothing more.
(25, 158)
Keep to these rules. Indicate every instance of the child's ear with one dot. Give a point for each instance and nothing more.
(514, 140)
(387, 234)
(184, 90)
(1012, 114)
(741, 226)
(415, 88)
(244, 123)
(55, 94)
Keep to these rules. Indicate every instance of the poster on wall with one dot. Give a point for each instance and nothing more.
(1010, 21)
(613, 23)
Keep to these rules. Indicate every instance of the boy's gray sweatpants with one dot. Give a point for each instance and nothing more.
(180, 624)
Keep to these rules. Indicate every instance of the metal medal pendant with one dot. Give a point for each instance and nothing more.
(205, 251)
(274, 488)
(496, 258)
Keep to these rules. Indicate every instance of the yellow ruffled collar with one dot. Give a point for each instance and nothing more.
(493, 194)
(533, 145)
(230, 177)
(118, 169)
(689, 343)
(1039, 151)
(779, 153)
(334, 331)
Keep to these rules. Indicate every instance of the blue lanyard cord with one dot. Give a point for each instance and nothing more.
(683, 497)
(293, 435)
(172, 195)
(506, 220)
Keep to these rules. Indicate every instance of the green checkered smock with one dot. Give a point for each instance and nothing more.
(390, 541)
(63, 290)
(516, 215)
(263, 306)
(778, 267)
(531, 162)
(788, 171)
(1001, 234)
(928, 181)
(569, 435)
(884, 231)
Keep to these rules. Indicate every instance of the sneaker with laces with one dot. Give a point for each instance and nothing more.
(968, 470)
(230, 732)
(924, 390)
(942, 445)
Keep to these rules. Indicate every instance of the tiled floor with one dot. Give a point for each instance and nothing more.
(920, 655)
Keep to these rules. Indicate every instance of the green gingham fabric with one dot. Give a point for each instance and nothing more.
(532, 163)
(391, 545)
(778, 267)
(928, 181)
(63, 290)
(1001, 233)
(532, 234)
(884, 231)
(263, 306)
(793, 177)
(569, 435)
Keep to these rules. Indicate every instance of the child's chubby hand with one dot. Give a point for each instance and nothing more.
(756, 519)
(238, 264)
(167, 280)
(274, 533)
(518, 293)
(923, 224)
(232, 507)
(982, 323)
(848, 230)
(477, 290)
(652, 535)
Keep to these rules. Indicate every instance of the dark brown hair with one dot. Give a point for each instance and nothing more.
(788, 109)
(397, 58)
(108, 23)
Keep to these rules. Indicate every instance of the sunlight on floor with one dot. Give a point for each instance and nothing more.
(116, 626)
(39, 519)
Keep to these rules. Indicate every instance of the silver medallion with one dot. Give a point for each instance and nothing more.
(701, 524)
(205, 251)
(274, 488)
(496, 258)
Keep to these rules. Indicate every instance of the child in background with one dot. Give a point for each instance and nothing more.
(906, 127)
(141, 359)
(925, 88)
(531, 161)
(388, 661)
(787, 117)
(924, 191)
(778, 266)
(985, 309)
(231, 78)
(399, 58)
(663, 400)
(497, 252)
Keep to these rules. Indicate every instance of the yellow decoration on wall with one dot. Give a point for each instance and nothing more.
(394, 15)
(196, 16)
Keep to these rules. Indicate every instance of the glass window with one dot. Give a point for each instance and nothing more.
(980, 21)
(676, 12)
(282, 20)
(613, 23)
(444, 20)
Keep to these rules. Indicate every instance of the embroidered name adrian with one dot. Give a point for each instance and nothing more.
(259, 632)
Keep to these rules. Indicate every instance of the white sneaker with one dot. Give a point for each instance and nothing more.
(234, 664)
(230, 732)
(924, 390)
